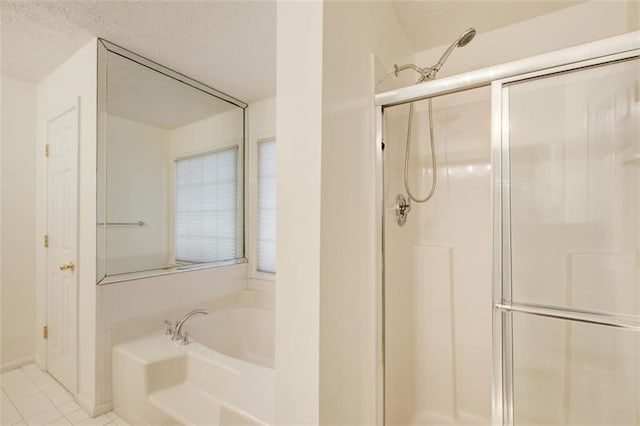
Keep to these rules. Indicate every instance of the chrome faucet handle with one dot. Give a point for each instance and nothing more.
(184, 339)
(170, 329)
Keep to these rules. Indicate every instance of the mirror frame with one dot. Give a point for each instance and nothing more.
(104, 49)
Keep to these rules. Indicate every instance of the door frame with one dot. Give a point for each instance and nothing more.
(602, 51)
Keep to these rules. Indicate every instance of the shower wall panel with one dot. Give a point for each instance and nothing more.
(574, 189)
(574, 143)
(438, 266)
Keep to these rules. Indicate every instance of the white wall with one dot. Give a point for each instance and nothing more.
(582, 23)
(18, 238)
(261, 118)
(72, 83)
(219, 131)
(326, 295)
(299, 132)
(355, 35)
(138, 180)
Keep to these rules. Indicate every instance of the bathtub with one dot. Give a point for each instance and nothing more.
(243, 332)
(223, 377)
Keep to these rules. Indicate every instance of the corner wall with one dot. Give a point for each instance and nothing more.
(357, 36)
(299, 150)
(326, 371)
(72, 83)
(261, 117)
(18, 239)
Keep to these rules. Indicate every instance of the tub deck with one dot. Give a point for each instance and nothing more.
(157, 381)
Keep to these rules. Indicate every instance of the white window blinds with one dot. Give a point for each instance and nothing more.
(206, 208)
(266, 235)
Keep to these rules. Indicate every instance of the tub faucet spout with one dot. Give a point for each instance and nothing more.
(177, 332)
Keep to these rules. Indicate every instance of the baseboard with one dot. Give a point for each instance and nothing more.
(40, 363)
(16, 364)
(92, 409)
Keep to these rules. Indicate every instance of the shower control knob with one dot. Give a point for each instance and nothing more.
(402, 209)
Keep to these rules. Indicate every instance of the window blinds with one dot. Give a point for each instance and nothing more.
(206, 207)
(266, 235)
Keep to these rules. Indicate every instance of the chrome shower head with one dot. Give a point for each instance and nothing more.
(429, 73)
(466, 37)
(461, 41)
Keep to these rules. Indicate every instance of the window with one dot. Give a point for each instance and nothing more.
(266, 238)
(206, 222)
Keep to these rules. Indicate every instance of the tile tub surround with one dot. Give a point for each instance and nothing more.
(157, 381)
(31, 396)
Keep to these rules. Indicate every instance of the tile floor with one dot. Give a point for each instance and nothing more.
(30, 396)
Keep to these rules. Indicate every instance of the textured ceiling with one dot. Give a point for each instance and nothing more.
(431, 23)
(229, 45)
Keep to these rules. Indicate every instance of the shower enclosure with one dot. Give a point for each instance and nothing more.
(513, 295)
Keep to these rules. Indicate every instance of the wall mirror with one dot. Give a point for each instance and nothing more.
(170, 171)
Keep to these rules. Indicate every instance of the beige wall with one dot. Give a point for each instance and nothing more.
(299, 132)
(137, 182)
(18, 284)
(583, 23)
(326, 292)
(356, 36)
(261, 118)
(73, 83)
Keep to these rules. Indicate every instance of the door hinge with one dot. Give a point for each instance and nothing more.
(46, 150)
(46, 241)
(45, 331)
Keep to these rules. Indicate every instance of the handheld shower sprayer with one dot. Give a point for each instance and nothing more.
(403, 206)
(429, 73)
(464, 39)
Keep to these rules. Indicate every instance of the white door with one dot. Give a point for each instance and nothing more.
(62, 224)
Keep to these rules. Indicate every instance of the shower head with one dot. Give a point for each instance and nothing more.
(429, 73)
(464, 39)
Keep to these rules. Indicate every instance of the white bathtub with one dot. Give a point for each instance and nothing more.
(241, 332)
(223, 377)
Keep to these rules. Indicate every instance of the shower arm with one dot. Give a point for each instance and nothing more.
(426, 73)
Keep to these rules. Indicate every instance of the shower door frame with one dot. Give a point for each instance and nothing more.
(605, 51)
(503, 303)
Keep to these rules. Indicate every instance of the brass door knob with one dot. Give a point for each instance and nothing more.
(68, 267)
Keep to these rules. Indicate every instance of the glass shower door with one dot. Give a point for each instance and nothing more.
(567, 249)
